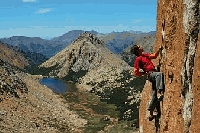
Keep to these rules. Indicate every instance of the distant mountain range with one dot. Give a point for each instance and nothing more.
(115, 41)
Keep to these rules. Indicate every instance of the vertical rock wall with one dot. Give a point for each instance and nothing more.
(177, 31)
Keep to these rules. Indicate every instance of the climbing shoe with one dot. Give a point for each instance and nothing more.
(160, 98)
(151, 117)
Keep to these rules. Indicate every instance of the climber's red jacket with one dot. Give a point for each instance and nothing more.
(144, 62)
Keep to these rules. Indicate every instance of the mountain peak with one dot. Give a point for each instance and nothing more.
(84, 54)
(89, 37)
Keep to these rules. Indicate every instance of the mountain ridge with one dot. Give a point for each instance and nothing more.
(55, 45)
(86, 46)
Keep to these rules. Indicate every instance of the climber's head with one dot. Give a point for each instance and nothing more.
(136, 49)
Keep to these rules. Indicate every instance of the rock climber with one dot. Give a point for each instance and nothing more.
(143, 61)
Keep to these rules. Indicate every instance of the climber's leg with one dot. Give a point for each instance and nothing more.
(159, 77)
(160, 85)
(158, 109)
(153, 102)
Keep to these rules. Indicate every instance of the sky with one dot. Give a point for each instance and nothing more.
(53, 18)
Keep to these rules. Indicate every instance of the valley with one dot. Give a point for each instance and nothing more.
(107, 98)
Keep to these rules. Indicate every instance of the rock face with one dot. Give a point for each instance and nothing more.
(177, 31)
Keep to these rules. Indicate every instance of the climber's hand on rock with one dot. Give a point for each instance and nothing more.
(161, 48)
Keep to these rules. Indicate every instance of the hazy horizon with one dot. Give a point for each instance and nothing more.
(48, 38)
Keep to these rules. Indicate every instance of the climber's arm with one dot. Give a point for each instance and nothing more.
(155, 55)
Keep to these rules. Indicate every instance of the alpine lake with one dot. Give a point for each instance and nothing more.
(101, 116)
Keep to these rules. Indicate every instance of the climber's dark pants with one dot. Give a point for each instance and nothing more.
(157, 80)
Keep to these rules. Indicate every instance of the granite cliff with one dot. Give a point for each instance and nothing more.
(178, 33)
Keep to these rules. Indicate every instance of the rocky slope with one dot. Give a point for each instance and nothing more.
(10, 55)
(22, 59)
(177, 31)
(28, 106)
